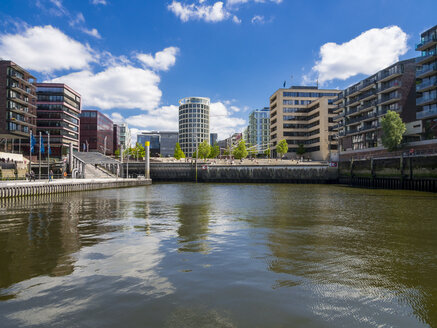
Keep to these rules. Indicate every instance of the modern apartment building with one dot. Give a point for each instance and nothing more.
(303, 116)
(96, 132)
(193, 123)
(125, 136)
(361, 106)
(17, 106)
(426, 86)
(58, 114)
(258, 131)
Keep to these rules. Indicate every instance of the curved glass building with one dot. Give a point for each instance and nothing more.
(193, 123)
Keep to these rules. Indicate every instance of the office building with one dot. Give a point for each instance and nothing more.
(125, 136)
(426, 86)
(58, 114)
(303, 116)
(230, 142)
(17, 106)
(361, 106)
(96, 132)
(258, 131)
(213, 138)
(155, 142)
(193, 123)
(162, 143)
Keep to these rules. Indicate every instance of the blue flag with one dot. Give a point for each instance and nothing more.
(32, 143)
(41, 145)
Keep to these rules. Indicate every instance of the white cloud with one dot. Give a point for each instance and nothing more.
(208, 13)
(368, 53)
(236, 20)
(239, 2)
(258, 19)
(117, 118)
(162, 60)
(93, 32)
(122, 86)
(99, 2)
(45, 49)
(222, 122)
(159, 119)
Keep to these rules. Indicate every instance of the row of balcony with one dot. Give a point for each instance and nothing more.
(426, 70)
(362, 128)
(426, 58)
(426, 43)
(425, 100)
(426, 85)
(431, 112)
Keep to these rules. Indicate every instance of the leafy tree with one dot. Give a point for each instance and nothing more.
(282, 147)
(227, 151)
(300, 150)
(215, 151)
(117, 153)
(240, 151)
(267, 152)
(178, 153)
(204, 149)
(392, 130)
(140, 149)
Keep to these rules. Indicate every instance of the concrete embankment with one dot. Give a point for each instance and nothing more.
(25, 188)
(242, 173)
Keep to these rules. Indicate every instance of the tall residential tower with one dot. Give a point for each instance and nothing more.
(193, 123)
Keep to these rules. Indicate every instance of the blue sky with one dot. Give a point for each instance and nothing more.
(135, 59)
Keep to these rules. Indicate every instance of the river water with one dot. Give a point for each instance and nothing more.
(220, 255)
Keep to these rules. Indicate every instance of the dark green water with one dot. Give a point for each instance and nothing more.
(220, 255)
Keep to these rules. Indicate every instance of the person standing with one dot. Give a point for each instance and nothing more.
(50, 175)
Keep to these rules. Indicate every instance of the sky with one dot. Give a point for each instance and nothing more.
(134, 59)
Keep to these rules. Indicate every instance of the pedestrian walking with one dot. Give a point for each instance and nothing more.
(50, 175)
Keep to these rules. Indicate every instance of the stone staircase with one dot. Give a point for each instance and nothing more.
(97, 165)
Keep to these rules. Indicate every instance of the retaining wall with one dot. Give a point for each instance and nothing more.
(20, 189)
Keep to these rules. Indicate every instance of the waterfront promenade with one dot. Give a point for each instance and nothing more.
(42, 187)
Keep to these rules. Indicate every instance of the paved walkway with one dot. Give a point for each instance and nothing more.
(59, 182)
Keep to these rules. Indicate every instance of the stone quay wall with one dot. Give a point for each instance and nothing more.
(25, 188)
(242, 173)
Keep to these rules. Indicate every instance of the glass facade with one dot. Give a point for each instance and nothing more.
(258, 131)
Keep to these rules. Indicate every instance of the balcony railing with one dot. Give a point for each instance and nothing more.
(424, 58)
(335, 118)
(426, 69)
(427, 113)
(391, 71)
(389, 97)
(423, 100)
(426, 84)
(389, 86)
(367, 105)
(425, 42)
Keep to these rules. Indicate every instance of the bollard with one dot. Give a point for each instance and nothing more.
(147, 149)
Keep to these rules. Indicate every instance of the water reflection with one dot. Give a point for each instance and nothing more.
(220, 255)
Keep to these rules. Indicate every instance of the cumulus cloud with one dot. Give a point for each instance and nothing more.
(117, 118)
(122, 86)
(368, 53)
(45, 49)
(222, 122)
(208, 13)
(162, 60)
(159, 119)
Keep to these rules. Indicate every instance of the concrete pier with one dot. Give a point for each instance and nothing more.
(26, 188)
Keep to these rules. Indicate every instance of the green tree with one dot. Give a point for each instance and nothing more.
(117, 153)
(282, 147)
(204, 149)
(240, 151)
(215, 151)
(267, 152)
(300, 150)
(227, 151)
(178, 153)
(392, 130)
